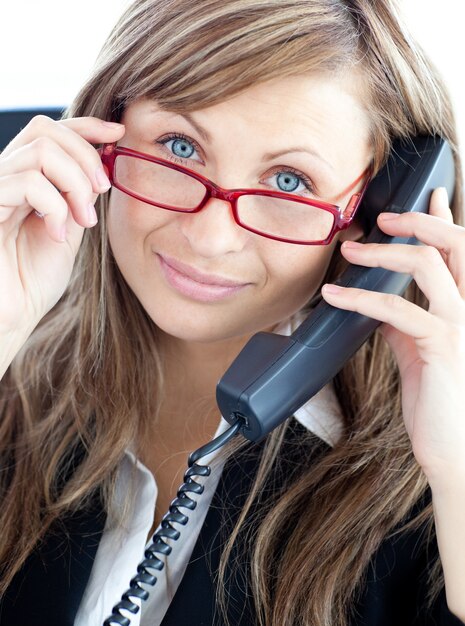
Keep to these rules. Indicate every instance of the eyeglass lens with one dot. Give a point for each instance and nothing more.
(265, 214)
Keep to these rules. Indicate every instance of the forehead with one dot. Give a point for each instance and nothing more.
(295, 93)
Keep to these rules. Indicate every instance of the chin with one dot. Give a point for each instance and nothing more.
(202, 331)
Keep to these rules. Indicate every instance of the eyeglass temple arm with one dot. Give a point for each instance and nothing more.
(354, 202)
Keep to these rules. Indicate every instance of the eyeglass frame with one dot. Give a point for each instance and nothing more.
(342, 217)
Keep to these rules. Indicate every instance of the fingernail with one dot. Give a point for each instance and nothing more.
(332, 288)
(92, 215)
(352, 244)
(114, 125)
(388, 216)
(102, 179)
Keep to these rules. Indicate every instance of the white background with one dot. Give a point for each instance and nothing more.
(47, 47)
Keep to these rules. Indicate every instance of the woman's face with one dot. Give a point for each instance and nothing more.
(229, 143)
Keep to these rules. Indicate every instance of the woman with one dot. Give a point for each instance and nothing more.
(349, 513)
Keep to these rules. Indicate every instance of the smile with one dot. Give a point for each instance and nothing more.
(195, 285)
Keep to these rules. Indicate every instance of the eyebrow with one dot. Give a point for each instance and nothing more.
(187, 116)
(269, 156)
(200, 129)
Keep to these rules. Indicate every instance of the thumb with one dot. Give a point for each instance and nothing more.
(439, 204)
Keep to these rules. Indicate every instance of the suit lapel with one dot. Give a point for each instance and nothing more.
(48, 589)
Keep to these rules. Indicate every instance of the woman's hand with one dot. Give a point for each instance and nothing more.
(429, 346)
(49, 181)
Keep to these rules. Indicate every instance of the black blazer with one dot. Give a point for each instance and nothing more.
(48, 589)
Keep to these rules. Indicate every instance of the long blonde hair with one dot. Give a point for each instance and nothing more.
(90, 377)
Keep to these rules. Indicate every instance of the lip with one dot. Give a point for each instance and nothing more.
(199, 277)
(195, 284)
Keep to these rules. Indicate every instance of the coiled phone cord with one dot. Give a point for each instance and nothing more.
(167, 530)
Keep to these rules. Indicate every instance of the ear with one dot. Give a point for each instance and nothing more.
(353, 233)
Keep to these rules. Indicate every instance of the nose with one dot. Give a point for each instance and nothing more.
(213, 231)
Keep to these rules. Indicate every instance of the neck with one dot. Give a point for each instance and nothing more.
(191, 373)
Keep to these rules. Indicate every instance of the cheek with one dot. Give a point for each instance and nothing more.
(129, 224)
(299, 275)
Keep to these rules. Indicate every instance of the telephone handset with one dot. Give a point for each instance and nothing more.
(274, 375)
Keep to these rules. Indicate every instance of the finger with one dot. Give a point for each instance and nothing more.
(448, 238)
(94, 129)
(424, 263)
(19, 192)
(47, 157)
(75, 136)
(392, 309)
(439, 204)
(72, 233)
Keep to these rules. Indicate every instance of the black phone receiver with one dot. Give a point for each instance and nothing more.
(274, 375)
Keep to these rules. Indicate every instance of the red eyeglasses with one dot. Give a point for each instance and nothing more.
(273, 214)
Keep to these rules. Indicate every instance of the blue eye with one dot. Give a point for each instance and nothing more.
(182, 148)
(287, 181)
